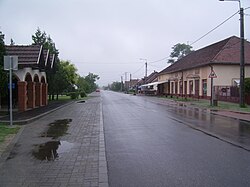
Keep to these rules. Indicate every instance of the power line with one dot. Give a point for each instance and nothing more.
(138, 69)
(214, 28)
(159, 60)
(113, 63)
(201, 36)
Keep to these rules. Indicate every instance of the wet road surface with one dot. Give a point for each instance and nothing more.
(149, 144)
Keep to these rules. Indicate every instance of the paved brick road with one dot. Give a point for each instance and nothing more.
(78, 157)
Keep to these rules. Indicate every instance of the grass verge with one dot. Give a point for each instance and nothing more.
(206, 104)
(6, 130)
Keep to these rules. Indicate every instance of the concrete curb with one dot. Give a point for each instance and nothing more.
(211, 111)
(26, 121)
(247, 148)
(103, 171)
(7, 151)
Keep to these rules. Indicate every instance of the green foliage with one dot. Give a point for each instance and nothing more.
(115, 86)
(7, 130)
(3, 74)
(64, 78)
(74, 95)
(83, 94)
(87, 83)
(39, 37)
(179, 51)
(247, 86)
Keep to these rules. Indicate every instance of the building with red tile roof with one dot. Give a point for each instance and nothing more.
(31, 87)
(190, 76)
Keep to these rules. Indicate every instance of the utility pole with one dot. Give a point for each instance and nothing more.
(242, 55)
(121, 82)
(126, 82)
(130, 78)
(146, 68)
(242, 60)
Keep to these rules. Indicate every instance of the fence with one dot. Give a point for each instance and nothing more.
(229, 94)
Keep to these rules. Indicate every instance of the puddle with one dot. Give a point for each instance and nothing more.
(57, 128)
(52, 150)
(81, 101)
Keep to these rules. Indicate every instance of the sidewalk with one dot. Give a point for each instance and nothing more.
(20, 118)
(71, 155)
(245, 116)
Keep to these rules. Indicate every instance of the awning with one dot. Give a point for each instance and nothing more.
(154, 83)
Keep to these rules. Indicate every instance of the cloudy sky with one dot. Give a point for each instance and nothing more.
(108, 37)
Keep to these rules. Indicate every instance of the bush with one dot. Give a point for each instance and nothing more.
(74, 95)
(247, 86)
(83, 94)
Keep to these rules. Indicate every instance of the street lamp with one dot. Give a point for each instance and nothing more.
(242, 55)
(146, 67)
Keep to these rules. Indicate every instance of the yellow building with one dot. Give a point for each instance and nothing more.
(191, 75)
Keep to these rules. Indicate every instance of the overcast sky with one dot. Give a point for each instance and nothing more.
(108, 37)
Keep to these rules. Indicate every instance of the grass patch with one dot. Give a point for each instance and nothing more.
(206, 104)
(6, 130)
(67, 98)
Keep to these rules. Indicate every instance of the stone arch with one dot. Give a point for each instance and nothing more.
(15, 93)
(43, 79)
(38, 91)
(30, 91)
(44, 91)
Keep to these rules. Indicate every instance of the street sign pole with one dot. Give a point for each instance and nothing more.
(212, 92)
(10, 87)
(212, 75)
(10, 63)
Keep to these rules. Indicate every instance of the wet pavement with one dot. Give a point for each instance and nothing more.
(149, 143)
(28, 116)
(63, 148)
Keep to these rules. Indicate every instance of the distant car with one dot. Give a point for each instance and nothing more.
(97, 90)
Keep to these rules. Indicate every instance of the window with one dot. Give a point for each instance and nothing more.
(204, 87)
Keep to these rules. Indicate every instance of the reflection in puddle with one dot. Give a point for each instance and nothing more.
(51, 150)
(82, 101)
(57, 128)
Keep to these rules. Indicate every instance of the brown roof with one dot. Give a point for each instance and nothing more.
(224, 52)
(26, 54)
(152, 77)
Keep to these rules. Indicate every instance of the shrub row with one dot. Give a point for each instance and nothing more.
(75, 95)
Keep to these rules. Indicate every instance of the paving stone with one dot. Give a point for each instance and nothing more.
(81, 165)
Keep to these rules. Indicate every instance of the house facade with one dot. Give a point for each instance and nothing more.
(30, 88)
(193, 75)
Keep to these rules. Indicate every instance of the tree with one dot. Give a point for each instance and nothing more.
(3, 74)
(179, 51)
(91, 79)
(65, 78)
(116, 86)
(39, 37)
(247, 86)
(83, 85)
(49, 44)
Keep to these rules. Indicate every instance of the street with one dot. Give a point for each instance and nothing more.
(150, 144)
